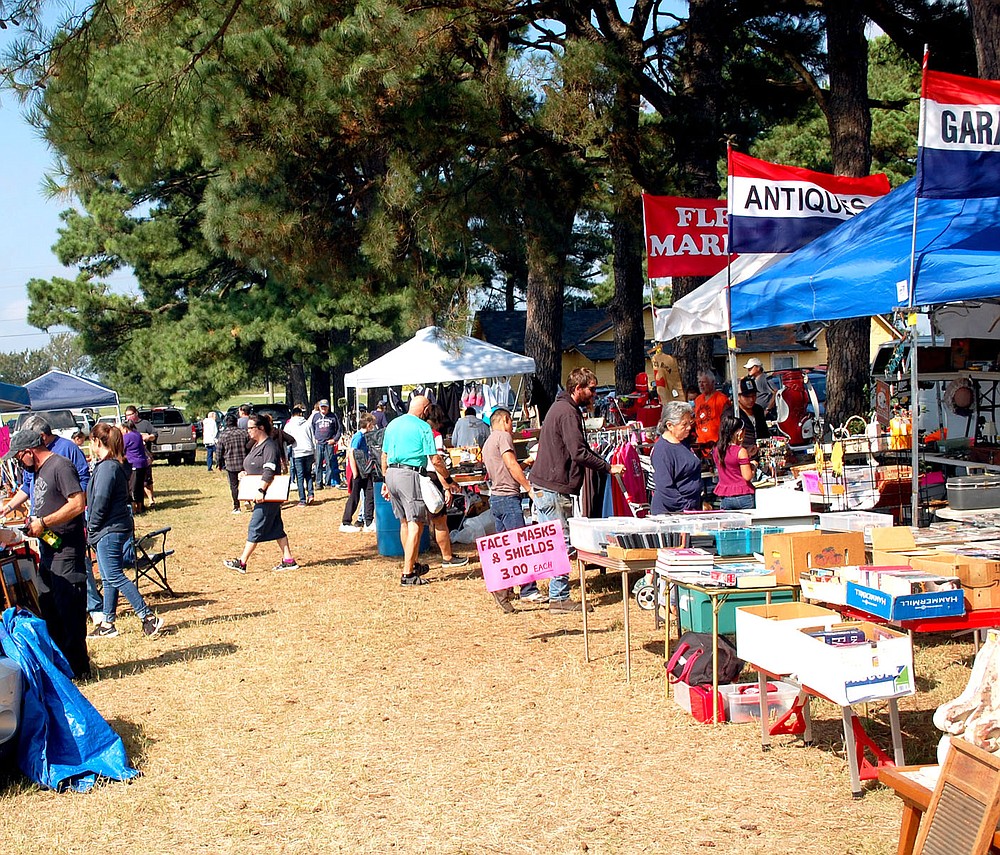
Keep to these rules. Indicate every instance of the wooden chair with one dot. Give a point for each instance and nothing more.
(151, 556)
(963, 812)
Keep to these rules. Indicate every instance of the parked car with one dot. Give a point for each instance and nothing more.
(279, 413)
(175, 435)
(62, 422)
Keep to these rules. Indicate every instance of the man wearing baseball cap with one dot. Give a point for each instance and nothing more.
(59, 507)
(752, 415)
(765, 394)
(327, 431)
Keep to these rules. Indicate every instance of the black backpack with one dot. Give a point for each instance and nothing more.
(691, 661)
(375, 438)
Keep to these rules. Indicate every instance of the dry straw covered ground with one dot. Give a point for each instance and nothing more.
(331, 710)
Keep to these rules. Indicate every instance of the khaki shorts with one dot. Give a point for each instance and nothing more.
(404, 494)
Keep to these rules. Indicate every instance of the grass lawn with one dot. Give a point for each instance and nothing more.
(331, 710)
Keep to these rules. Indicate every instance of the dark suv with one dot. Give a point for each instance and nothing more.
(279, 413)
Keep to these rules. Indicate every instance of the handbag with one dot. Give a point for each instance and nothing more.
(431, 494)
(691, 662)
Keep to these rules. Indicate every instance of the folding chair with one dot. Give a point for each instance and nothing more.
(151, 556)
(18, 571)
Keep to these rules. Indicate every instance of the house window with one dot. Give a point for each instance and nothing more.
(783, 363)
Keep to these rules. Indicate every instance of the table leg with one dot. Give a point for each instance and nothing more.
(628, 634)
(666, 645)
(850, 747)
(908, 828)
(765, 728)
(897, 736)
(715, 659)
(583, 605)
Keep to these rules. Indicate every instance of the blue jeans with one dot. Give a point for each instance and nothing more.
(209, 456)
(110, 550)
(554, 506)
(737, 503)
(507, 515)
(327, 468)
(301, 469)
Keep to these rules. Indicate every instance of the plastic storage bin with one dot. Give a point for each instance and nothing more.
(703, 523)
(742, 700)
(696, 608)
(742, 541)
(10, 698)
(863, 521)
(591, 534)
(974, 492)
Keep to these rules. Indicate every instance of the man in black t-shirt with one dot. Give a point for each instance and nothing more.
(59, 506)
(752, 415)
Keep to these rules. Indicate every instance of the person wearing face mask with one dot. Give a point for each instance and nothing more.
(676, 468)
(59, 503)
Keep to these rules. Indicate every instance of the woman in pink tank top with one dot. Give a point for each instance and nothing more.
(732, 463)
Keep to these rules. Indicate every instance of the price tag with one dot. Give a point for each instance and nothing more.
(522, 555)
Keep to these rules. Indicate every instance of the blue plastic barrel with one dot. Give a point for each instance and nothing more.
(387, 529)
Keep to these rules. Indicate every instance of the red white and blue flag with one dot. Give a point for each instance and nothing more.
(776, 208)
(959, 152)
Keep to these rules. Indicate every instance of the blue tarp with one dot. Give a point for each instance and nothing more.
(63, 743)
(14, 397)
(853, 271)
(57, 390)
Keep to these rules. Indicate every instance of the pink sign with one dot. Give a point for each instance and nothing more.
(522, 555)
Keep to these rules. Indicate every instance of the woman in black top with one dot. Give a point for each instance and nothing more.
(263, 459)
(110, 530)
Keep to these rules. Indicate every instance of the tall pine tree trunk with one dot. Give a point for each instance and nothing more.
(295, 387)
(986, 30)
(699, 145)
(626, 309)
(849, 119)
(544, 319)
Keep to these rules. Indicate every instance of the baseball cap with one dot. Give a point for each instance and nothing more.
(747, 386)
(323, 403)
(22, 440)
(752, 362)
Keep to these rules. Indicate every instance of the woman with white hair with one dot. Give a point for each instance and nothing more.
(676, 468)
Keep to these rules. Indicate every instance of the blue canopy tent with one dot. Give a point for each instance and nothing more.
(14, 397)
(861, 267)
(57, 390)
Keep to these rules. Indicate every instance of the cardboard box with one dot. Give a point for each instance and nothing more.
(764, 634)
(790, 554)
(879, 667)
(896, 546)
(980, 578)
(908, 606)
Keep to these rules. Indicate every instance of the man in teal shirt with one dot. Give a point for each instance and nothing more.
(407, 448)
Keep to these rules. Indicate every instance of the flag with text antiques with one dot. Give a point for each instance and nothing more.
(777, 208)
(958, 156)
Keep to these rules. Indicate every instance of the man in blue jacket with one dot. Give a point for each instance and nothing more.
(327, 431)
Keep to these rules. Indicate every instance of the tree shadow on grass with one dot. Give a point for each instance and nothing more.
(227, 618)
(170, 657)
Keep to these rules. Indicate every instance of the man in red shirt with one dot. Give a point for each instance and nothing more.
(708, 409)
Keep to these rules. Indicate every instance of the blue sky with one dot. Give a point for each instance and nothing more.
(30, 224)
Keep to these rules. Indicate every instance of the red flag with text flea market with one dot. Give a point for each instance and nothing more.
(776, 208)
(684, 237)
(959, 152)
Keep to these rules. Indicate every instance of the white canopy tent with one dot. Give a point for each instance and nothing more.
(436, 356)
(705, 310)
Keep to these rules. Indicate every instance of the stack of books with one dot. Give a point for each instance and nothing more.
(685, 563)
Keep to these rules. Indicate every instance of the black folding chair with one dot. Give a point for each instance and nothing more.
(151, 556)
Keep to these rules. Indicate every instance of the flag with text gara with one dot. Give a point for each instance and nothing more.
(958, 156)
(776, 208)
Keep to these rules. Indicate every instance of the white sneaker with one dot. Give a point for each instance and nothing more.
(349, 528)
(97, 617)
(370, 528)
